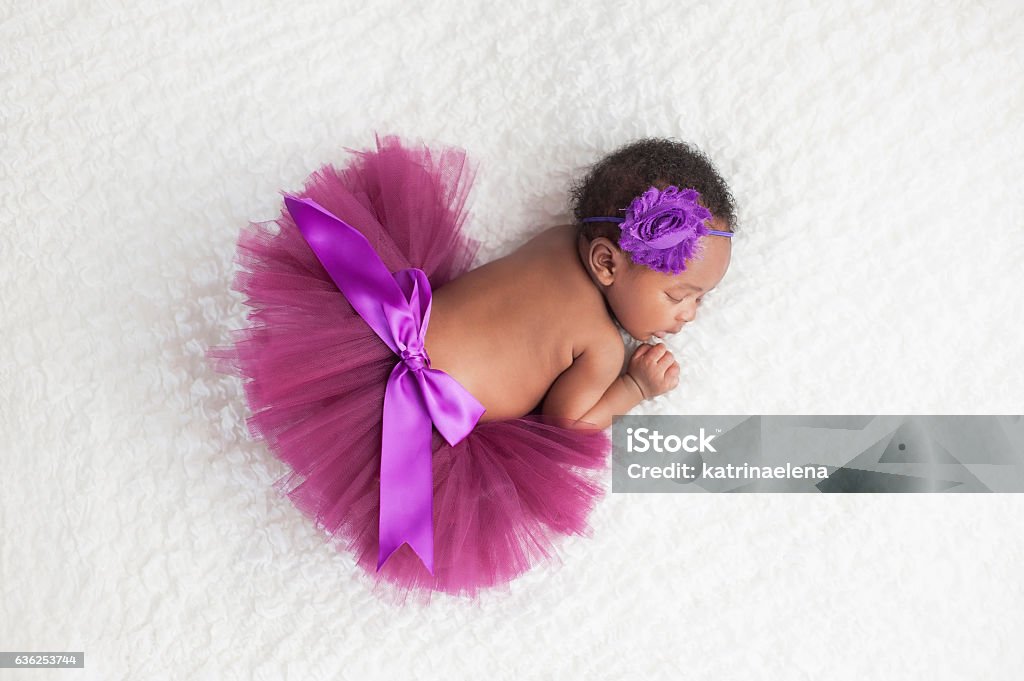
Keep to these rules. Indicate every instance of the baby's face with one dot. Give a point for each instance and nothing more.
(648, 303)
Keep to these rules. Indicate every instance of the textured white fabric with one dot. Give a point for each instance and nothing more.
(875, 153)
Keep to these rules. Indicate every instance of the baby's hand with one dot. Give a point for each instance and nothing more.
(654, 369)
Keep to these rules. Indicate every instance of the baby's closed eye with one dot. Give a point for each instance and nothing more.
(679, 300)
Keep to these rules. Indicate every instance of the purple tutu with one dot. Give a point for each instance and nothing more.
(315, 374)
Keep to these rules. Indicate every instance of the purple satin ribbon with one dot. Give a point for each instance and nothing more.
(397, 308)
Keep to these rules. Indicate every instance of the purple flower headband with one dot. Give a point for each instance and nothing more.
(661, 228)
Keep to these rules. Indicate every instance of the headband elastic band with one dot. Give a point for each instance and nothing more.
(611, 219)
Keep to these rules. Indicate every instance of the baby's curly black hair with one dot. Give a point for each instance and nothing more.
(615, 180)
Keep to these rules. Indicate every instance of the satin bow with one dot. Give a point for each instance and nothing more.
(397, 308)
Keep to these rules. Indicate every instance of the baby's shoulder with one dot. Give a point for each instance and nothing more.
(598, 333)
(584, 306)
(559, 278)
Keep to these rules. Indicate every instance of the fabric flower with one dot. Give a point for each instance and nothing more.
(662, 228)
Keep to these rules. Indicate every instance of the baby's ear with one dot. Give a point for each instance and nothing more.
(604, 259)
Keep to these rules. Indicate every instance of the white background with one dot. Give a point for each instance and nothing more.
(875, 153)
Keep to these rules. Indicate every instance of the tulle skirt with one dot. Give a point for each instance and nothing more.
(315, 373)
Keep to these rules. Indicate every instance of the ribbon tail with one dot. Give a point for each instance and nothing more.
(415, 287)
(406, 478)
(353, 265)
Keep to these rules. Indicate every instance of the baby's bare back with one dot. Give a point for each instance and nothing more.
(507, 329)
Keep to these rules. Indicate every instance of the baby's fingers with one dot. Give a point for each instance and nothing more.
(657, 351)
(672, 375)
(647, 353)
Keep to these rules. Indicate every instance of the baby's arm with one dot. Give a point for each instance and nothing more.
(591, 390)
(652, 371)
